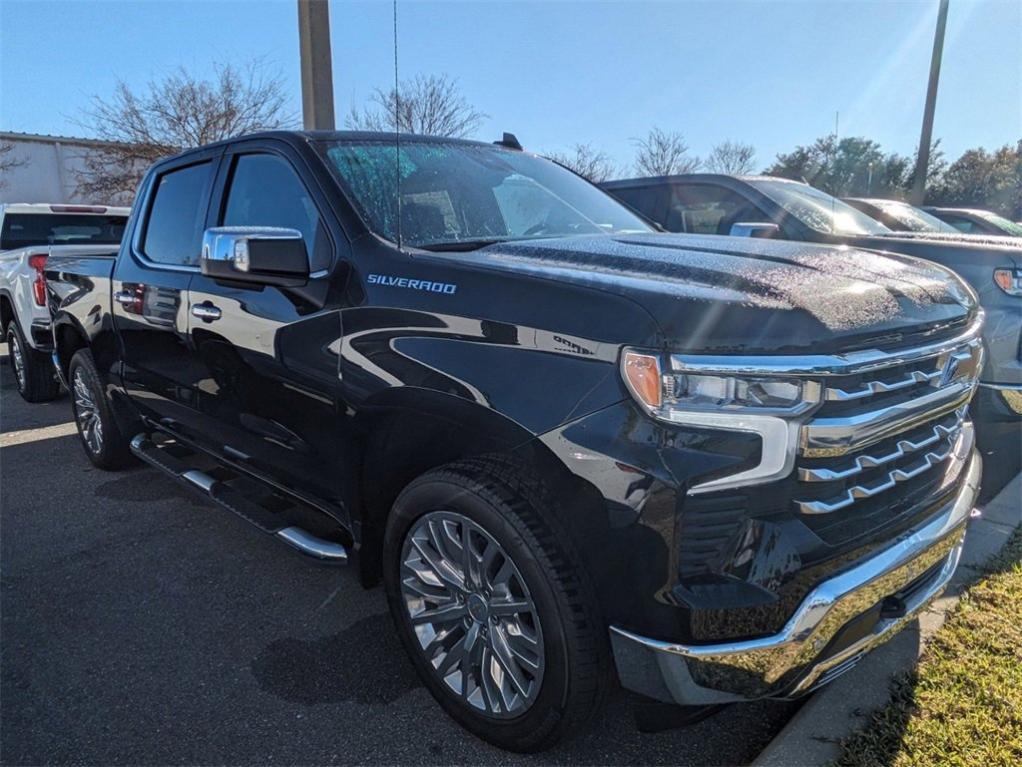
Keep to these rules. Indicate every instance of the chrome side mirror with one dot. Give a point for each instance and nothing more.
(763, 229)
(264, 255)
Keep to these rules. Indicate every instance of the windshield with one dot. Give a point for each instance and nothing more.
(912, 219)
(23, 230)
(818, 210)
(464, 195)
(1006, 226)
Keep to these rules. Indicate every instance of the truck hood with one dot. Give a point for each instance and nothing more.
(748, 295)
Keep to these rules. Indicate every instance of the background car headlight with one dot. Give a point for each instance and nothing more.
(662, 392)
(1009, 281)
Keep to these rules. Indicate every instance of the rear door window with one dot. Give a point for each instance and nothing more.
(173, 233)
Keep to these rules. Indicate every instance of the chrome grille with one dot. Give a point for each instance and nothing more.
(894, 425)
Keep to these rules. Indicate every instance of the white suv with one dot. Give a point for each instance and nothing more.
(29, 234)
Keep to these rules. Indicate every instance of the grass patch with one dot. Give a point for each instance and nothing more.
(962, 706)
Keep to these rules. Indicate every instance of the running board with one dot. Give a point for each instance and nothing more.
(232, 499)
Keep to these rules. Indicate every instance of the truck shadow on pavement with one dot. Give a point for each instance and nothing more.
(156, 487)
(308, 671)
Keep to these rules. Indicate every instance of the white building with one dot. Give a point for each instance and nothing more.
(47, 169)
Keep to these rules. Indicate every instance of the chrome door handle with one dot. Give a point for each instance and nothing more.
(124, 297)
(206, 311)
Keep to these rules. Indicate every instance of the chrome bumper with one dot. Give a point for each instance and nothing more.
(808, 651)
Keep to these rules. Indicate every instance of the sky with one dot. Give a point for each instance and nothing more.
(771, 74)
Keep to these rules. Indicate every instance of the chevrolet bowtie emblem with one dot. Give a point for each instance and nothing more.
(950, 369)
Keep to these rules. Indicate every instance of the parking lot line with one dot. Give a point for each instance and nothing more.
(22, 436)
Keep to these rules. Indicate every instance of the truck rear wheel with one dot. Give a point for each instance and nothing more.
(33, 370)
(101, 438)
(494, 606)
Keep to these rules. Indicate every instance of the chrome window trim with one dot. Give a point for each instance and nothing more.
(823, 365)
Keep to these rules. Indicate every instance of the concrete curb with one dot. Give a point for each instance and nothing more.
(813, 735)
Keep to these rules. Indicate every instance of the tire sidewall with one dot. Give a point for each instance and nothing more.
(12, 333)
(517, 733)
(105, 458)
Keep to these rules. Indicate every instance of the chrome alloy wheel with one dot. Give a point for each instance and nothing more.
(17, 358)
(474, 618)
(89, 424)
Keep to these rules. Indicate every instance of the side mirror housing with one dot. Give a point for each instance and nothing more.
(263, 255)
(765, 230)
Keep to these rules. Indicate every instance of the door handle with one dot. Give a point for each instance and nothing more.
(206, 311)
(124, 297)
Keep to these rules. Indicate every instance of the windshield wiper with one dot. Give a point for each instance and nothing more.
(458, 246)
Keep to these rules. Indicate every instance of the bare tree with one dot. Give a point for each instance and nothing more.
(663, 153)
(430, 105)
(731, 157)
(178, 112)
(8, 163)
(590, 163)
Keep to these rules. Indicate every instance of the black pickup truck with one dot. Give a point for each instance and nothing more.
(567, 444)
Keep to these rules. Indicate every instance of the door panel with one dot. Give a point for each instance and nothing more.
(150, 295)
(269, 363)
(268, 385)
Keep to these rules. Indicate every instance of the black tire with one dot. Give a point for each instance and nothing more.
(513, 508)
(37, 380)
(111, 451)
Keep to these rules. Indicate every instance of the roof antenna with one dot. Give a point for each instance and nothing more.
(397, 131)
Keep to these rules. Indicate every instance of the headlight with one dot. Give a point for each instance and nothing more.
(662, 392)
(1009, 281)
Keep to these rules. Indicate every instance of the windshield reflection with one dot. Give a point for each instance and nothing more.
(818, 210)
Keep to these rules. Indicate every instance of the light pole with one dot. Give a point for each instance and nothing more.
(923, 158)
(317, 75)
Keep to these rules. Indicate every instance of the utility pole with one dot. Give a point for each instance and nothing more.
(317, 75)
(923, 158)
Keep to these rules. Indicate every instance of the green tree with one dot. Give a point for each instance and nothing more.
(848, 167)
(982, 179)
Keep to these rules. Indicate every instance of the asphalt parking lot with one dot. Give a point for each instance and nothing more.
(140, 625)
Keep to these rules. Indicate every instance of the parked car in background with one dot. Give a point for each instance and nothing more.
(976, 221)
(29, 234)
(762, 206)
(899, 216)
(558, 436)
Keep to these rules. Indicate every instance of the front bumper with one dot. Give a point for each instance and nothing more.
(838, 622)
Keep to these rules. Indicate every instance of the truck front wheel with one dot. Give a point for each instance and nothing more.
(33, 370)
(494, 606)
(102, 440)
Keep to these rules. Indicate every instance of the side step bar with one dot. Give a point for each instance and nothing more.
(222, 494)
